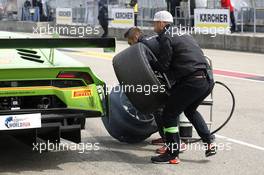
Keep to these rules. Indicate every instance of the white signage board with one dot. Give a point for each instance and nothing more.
(64, 16)
(212, 20)
(122, 18)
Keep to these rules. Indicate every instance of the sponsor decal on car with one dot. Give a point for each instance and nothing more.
(13, 122)
(82, 93)
(25, 121)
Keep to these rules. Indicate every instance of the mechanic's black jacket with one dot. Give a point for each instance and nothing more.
(151, 42)
(180, 55)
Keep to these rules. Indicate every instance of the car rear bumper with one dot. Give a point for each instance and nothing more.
(55, 124)
(60, 113)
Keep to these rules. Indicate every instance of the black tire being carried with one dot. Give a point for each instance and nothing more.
(125, 123)
(133, 70)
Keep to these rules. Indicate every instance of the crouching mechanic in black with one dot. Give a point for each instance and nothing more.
(135, 35)
(182, 59)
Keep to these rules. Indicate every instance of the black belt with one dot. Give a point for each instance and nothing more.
(200, 74)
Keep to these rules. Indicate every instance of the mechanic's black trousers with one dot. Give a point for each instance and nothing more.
(186, 97)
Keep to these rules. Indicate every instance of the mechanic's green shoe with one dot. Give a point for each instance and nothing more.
(165, 159)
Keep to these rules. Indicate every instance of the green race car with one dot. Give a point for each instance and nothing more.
(46, 94)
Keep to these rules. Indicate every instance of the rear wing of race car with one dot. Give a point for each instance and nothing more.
(54, 43)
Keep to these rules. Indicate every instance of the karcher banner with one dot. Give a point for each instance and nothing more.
(64, 16)
(122, 18)
(212, 20)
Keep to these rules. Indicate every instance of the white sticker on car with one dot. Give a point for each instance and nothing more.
(23, 121)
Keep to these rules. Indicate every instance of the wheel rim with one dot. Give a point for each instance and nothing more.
(131, 110)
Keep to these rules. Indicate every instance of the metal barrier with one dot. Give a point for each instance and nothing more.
(213, 4)
(256, 10)
(247, 16)
(183, 15)
(251, 17)
(78, 15)
(146, 16)
(147, 10)
(31, 14)
(244, 10)
(85, 15)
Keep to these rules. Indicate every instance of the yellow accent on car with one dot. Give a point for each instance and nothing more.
(81, 93)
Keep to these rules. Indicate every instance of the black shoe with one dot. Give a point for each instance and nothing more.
(165, 159)
(210, 150)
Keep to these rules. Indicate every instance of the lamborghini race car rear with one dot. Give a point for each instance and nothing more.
(47, 98)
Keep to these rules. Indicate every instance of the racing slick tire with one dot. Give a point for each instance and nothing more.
(125, 123)
(133, 70)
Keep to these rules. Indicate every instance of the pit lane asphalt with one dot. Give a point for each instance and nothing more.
(244, 134)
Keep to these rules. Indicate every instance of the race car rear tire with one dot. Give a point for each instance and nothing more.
(127, 125)
(133, 69)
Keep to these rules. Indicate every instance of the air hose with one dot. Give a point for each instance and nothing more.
(228, 118)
